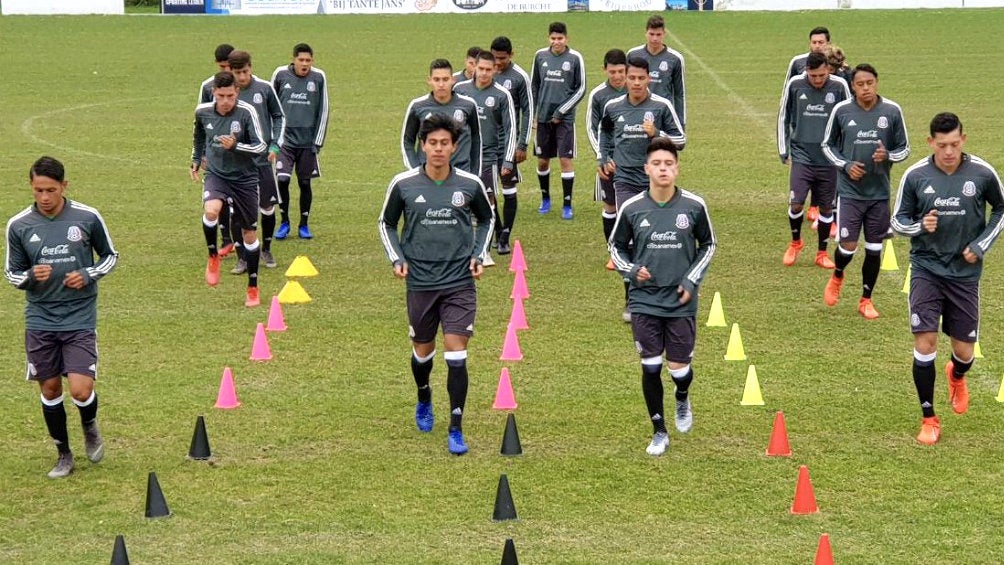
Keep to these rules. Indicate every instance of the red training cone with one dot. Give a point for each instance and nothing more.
(518, 262)
(519, 289)
(504, 398)
(276, 321)
(805, 498)
(518, 317)
(259, 349)
(824, 555)
(227, 397)
(778, 446)
(510, 349)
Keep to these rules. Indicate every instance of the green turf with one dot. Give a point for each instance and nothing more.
(322, 464)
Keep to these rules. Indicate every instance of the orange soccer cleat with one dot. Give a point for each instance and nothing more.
(832, 293)
(791, 254)
(253, 298)
(823, 260)
(813, 214)
(930, 431)
(958, 392)
(867, 309)
(213, 270)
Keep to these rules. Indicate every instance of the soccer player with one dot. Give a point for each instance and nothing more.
(303, 91)
(941, 206)
(442, 100)
(864, 136)
(50, 255)
(470, 61)
(226, 139)
(837, 62)
(229, 232)
(819, 40)
(665, 66)
(673, 243)
(805, 108)
(439, 255)
(498, 128)
(557, 84)
(615, 69)
(260, 94)
(513, 78)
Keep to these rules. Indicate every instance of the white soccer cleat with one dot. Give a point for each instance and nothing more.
(659, 445)
(684, 416)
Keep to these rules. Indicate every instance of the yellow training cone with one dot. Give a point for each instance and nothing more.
(716, 319)
(977, 351)
(751, 392)
(735, 351)
(293, 293)
(889, 258)
(1000, 392)
(906, 281)
(301, 267)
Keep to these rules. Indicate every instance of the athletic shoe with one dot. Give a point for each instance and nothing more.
(253, 299)
(504, 248)
(832, 293)
(958, 392)
(240, 268)
(455, 442)
(227, 249)
(545, 206)
(791, 254)
(64, 466)
(213, 270)
(815, 225)
(930, 431)
(424, 418)
(812, 214)
(659, 444)
(610, 265)
(283, 231)
(488, 262)
(684, 416)
(93, 444)
(823, 260)
(566, 212)
(867, 309)
(268, 259)
(626, 316)
(305, 233)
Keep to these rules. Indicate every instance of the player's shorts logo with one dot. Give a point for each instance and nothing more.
(458, 115)
(235, 127)
(311, 87)
(969, 189)
(278, 165)
(457, 199)
(883, 122)
(914, 320)
(649, 117)
(32, 370)
(490, 101)
(664, 66)
(637, 345)
(830, 98)
(682, 221)
(205, 195)
(844, 233)
(74, 234)
(566, 66)
(257, 98)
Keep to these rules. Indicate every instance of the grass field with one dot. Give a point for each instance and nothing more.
(322, 463)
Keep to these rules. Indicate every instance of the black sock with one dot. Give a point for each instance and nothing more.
(923, 379)
(456, 386)
(841, 259)
(509, 206)
(209, 230)
(233, 226)
(795, 221)
(55, 421)
(283, 184)
(267, 230)
(420, 371)
(224, 223)
(870, 272)
(567, 183)
(608, 224)
(544, 178)
(823, 232)
(251, 257)
(88, 411)
(306, 199)
(959, 368)
(627, 286)
(651, 388)
(683, 384)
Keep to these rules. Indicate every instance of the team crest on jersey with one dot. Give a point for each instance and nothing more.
(649, 117)
(830, 98)
(566, 66)
(457, 199)
(311, 87)
(74, 234)
(664, 66)
(257, 98)
(490, 101)
(969, 189)
(883, 122)
(682, 221)
(507, 84)
(235, 127)
(458, 115)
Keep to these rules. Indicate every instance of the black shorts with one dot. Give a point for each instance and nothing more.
(623, 191)
(852, 215)
(490, 177)
(820, 179)
(655, 335)
(52, 354)
(605, 191)
(268, 192)
(242, 196)
(956, 302)
(454, 308)
(510, 181)
(301, 159)
(555, 140)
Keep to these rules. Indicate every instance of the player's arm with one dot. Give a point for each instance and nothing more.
(595, 113)
(101, 243)
(278, 120)
(507, 116)
(605, 138)
(474, 123)
(390, 215)
(524, 98)
(481, 207)
(17, 266)
(409, 137)
(906, 218)
(707, 243)
(255, 143)
(784, 124)
(535, 81)
(994, 196)
(832, 140)
(620, 246)
(672, 128)
(899, 149)
(578, 91)
(198, 146)
(680, 94)
(321, 118)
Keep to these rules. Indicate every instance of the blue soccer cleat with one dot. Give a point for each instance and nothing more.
(566, 212)
(305, 233)
(423, 416)
(283, 231)
(455, 441)
(545, 206)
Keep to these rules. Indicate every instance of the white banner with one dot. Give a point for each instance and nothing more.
(789, 5)
(257, 7)
(627, 5)
(62, 7)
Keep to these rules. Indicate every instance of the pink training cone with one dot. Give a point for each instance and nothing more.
(276, 321)
(227, 397)
(260, 350)
(504, 398)
(510, 349)
(518, 317)
(518, 262)
(519, 289)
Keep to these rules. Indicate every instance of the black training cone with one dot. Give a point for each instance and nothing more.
(504, 507)
(510, 440)
(156, 506)
(200, 443)
(121, 557)
(509, 553)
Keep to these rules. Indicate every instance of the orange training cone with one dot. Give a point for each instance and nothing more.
(518, 317)
(227, 397)
(519, 289)
(259, 349)
(824, 555)
(518, 262)
(778, 446)
(276, 321)
(805, 498)
(510, 349)
(504, 398)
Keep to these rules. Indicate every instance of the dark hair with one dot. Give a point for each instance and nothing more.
(302, 48)
(655, 22)
(662, 144)
(222, 52)
(502, 43)
(638, 62)
(863, 67)
(47, 167)
(238, 59)
(557, 27)
(437, 122)
(614, 57)
(486, 56)
(945, 122)
(224, 79)
(815, 60)
(440, 64)
(473, 52)
(820, 31)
